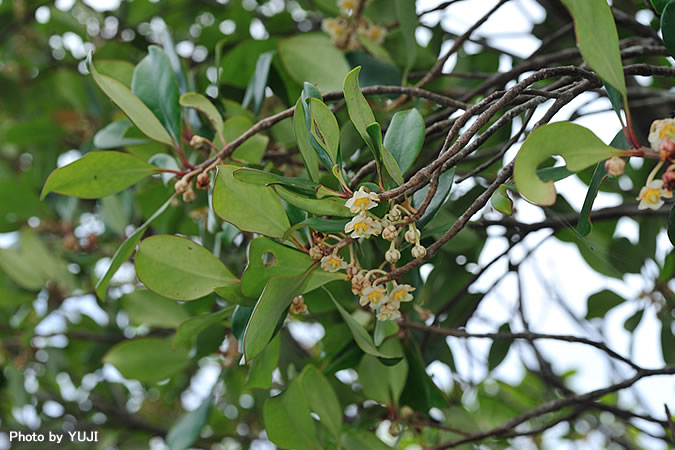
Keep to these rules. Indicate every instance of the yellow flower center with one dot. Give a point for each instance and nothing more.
(667, 131)
(652, 196)
(374, 296)
(399, 295)
(361, 227)
(363, 201)
(333, 261)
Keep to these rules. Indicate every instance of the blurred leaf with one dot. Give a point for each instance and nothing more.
(633, 321)
(263, 365)
(148, 359)
(204, 105)
(187, 429)
(659, 5)
(668, 27)
(313, 58)
(288, 421)
(190, 328)
(179, 269)
(420, 392)
(112, 136)
(321, 399)
(499, 348)
(599, 304)
(255, 91)
(671, 225)
(383, 383)
(407, 19)
(97, 174)
(145, 307)
(599, 175)
(501, 201)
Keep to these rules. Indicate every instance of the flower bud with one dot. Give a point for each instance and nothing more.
(298, 305)
(316, 252)
(394, 213)
(412, 235)
(196, 141)
(352, 270)
(614, 166)
(181, 186)
(669, 178)
(667, 150)
(390, 233)
(203, 181)
(189, 196)
(418, 251)
(392, 255)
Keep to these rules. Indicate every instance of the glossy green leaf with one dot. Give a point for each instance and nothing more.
(578, 145)
(441, 195)
(599, 304)
(361, 336)
(499, 348)
(97, 174)
(321, 399)
(288, 421)
(255, 91)
(125, 250)
(188, 428)
(179, 269)
(275, 298)
(148, 359)
(189, 329)
(132, 106)
(204, 105)
(313, 58)
(247, 206)
(262, 367)
(268, 178)
(598, 40)
(309, 92)
(304, 145)
(267, 259)
(112, 136)
(501, 201)
(145, 307)
(668, 27)
(404, 137)
(325, 129)
(660, 4)
(357, 106)
(327, 206)
(154, 82)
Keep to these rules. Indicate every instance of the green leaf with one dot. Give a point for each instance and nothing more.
(501, 201)
(671, 225)
(599, 304)
(97, 174)
(380, 382)
(384, 329)
(325, 129)
(599, 175)
(179, 269)
(125, 250)
(275, 298)
(407, 19)
(262, 367)
(326, 225)
(321, 399)
(598, 40)
(404, 137)
(247, 206)
(391, 166)
(361, 336)
(204, 105)
(313, 58)
(112, 136)
(252, 149)
(499, 348)
(615, 99)
(668, 27)
(633, 321)
(268, 178)
(578, 145)
(288, 420)
(148, 359)
(146, 307)
(327, 206)
(154, 82)
(357, 106)
(667, 340)
(267, 259)
(189, 329)
(304, 145)
(164, 161)
(660, 4)
(187, 429)
(420, 392)
(441, 195)
(255, 91)
(360, 439)
(122, 71)
(132, 106)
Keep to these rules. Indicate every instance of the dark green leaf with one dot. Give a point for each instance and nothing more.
(600, 303)
(189, 329)
(321, 399)
(404, 137)
(187, 429)
(288, 420)
(148, 359)
(441, 195)
(499, 348)
(668, 27)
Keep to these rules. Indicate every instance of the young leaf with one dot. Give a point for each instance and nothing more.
(304, 145)
(97, 174)
(125, 250)
(357, 106)
(325, 129)
(501, 201)
(321, 399)
(404, 137)
(598, 40)
(148, 359)
(327, 206)
(154, 82)
(578, 145)
(288, 420)
(275, 298)
(204, 105)
(132, 106)
(179, 269)
(187, 429)
(247, 206)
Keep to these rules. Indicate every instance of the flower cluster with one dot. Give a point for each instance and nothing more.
(346, 29)
(662, 140)
(385, 302)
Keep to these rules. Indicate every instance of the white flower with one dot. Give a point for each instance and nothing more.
(615, 166)
(374, 296)
(389, 311)
(661, 130)
(392, 255)
(332, 263)
(389, 233)
(412, 235)
(418, 251)
(373, 33)
(362, 200)
(402, 293)
(394, 213)
(359, 283)
(363, 226)
(650, 195)
(346, 6)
